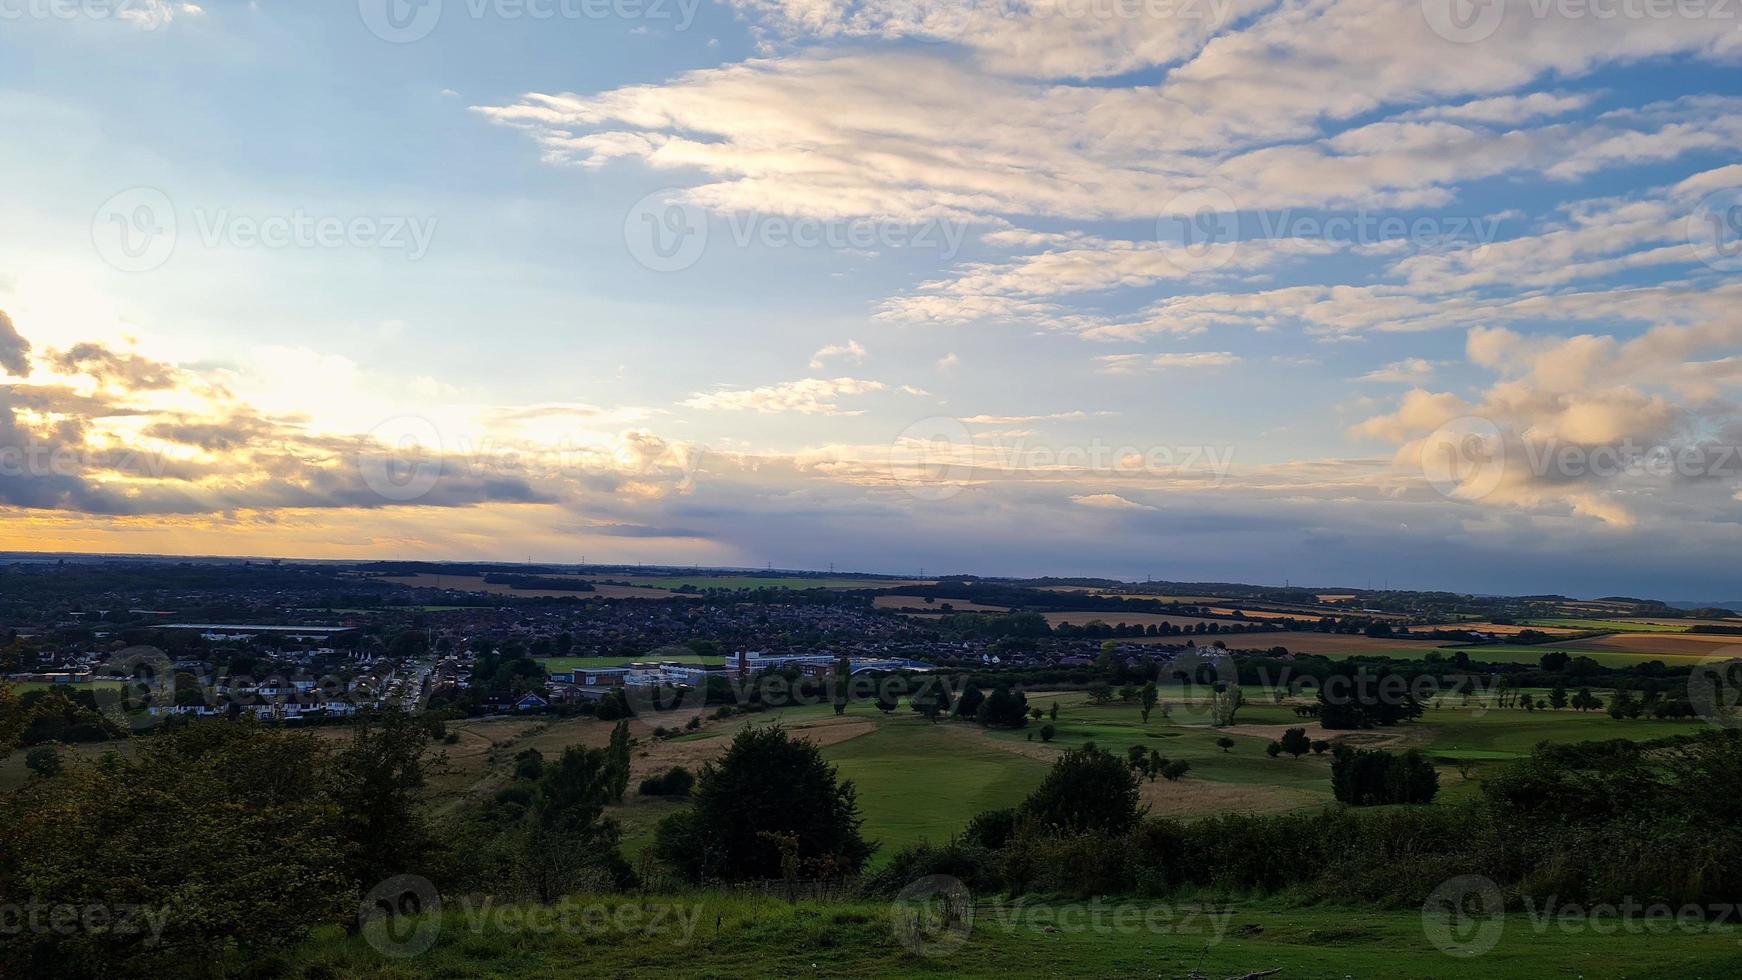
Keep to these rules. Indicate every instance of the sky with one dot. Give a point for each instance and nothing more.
(1431, 294)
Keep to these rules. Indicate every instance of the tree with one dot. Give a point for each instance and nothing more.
(378, 780)
(677, 781)
(617, 760)
(1295, 742)
(1100, 693)
(843, 680)
(1136, 756)
(44, 760)
(1274, 749)
(1127, 693)
(928, 700)
(1224, 743)
(1087, 790)
(256, 796)
(1366, 777)
(1319, 746)
(1004, 708)
(1225, 702)
(1053, 712)
(766, 782)
(1557, 698)
(1555, 662)
(1355, 699)
(1175, 769)
(570, 845)
(968, 702)
(1046, 732)
(1621, 705)
(529, 764)
(886, 702)
(1148, 699)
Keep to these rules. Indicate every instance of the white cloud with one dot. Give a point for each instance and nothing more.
(851, 351)
(1410, 370)
(1107, 501)
(1141, 363)
(807, 396)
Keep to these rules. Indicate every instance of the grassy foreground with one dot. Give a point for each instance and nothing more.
(719, 936)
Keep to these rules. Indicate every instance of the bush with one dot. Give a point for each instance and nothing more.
(676, 781)
(768, 787)
(1367, 777)
(1088, 790)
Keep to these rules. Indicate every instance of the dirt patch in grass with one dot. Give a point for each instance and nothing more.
(1190, 797)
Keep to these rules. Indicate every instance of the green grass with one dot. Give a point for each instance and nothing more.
(44, 685)
(1505, 653)
(556, 665)
(919, 781)
(1611, 625)
(712, 935)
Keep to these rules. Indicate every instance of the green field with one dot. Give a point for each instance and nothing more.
(1512, 653)
(555, 665)
(43, 686)
(919, 781)
(712, 935)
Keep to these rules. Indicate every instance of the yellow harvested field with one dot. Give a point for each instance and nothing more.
(1506, 629)
(1262, 613)
(1681, 645)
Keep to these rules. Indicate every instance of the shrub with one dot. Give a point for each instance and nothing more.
(1088, 790)
(676, 781)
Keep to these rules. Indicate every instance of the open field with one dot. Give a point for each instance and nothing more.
(715, 935)
(1511, 629)
(476, 583)
(1258, 613)
(1612, 625)
(668, 582)
(557, 664)
(1079, 618)
(43, 686)
(918, 604)
(1670, 648)
(1334, 644)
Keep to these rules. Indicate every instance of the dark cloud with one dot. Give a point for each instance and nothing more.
(14, 350)
(129, 371)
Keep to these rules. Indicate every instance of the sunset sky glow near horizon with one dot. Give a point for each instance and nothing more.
(1428, 294)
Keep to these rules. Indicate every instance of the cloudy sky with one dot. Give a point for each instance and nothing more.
(1426, 293)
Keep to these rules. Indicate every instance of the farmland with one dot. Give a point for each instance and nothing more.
(742, 936)
(920, 780)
